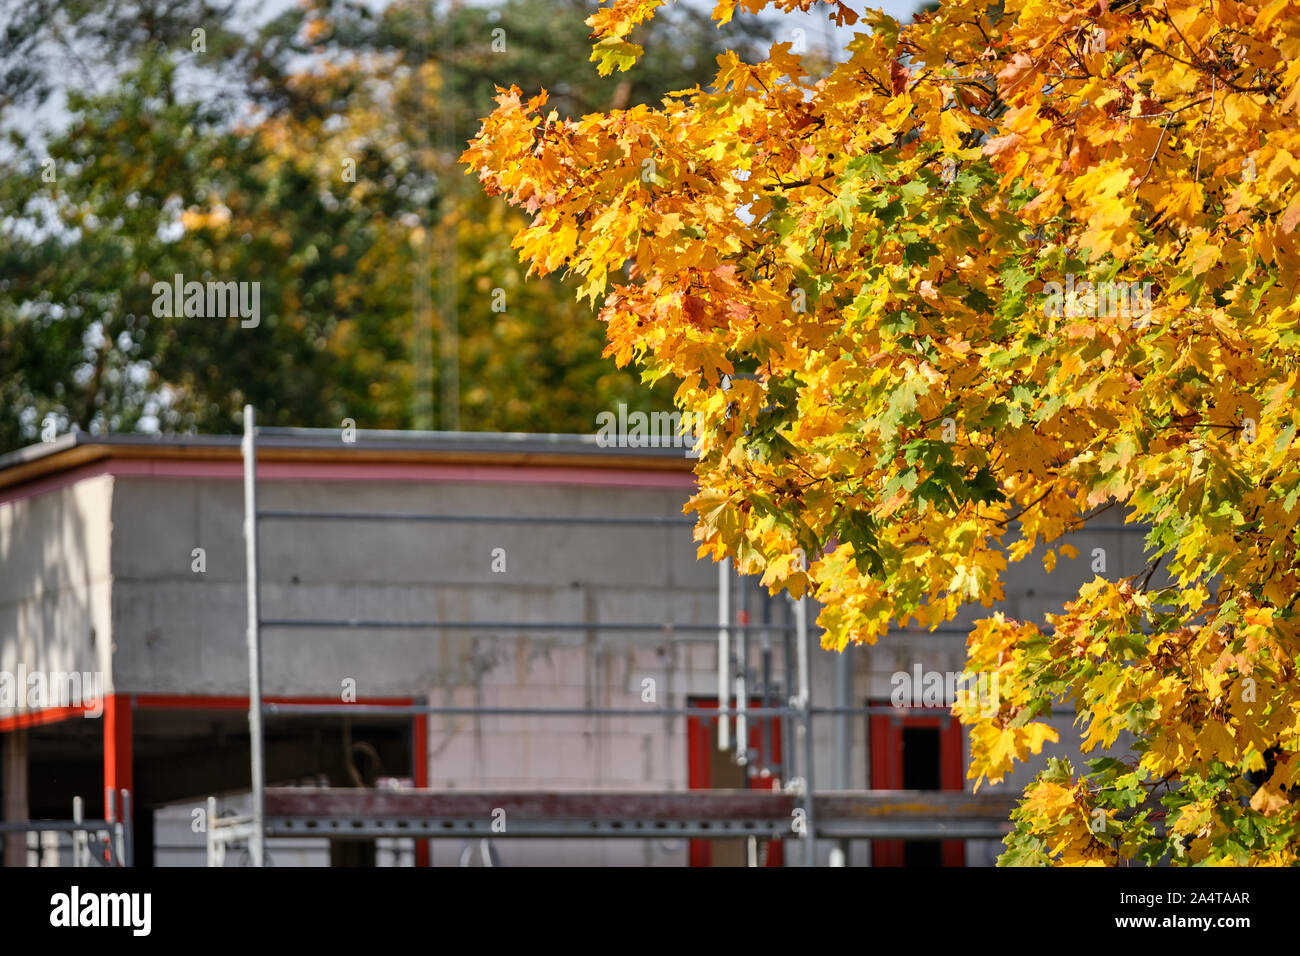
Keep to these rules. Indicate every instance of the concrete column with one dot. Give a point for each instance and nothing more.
(15, 794)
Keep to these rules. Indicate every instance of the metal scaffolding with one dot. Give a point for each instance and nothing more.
(107, 842)
(796, 811)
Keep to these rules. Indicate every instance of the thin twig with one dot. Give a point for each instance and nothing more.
(1214, 89)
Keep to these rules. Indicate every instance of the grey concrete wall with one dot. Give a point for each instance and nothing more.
(178, 631)
(55, 583)
(111, 560)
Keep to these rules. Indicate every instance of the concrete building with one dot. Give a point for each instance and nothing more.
(559, 574)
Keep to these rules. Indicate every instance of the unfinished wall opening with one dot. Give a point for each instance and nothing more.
(712, 769)
(916, 751)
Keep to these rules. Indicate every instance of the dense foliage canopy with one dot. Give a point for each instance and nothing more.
(313, 154)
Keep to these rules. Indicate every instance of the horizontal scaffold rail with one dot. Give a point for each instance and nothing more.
(58, 826)
(326, 624)
(623, 520)
(480, 710)
(862, 814)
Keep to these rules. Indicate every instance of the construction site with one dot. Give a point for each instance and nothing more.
(350, 648)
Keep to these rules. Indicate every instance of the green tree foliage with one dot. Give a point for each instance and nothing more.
(314, 155)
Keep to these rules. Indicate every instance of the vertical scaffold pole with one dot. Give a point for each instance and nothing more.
(804, 705)
(843, 740)
(80, 853)
(724, 653)
(257, 838)
(742, 665)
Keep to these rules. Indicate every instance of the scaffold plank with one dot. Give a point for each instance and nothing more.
(868, 814)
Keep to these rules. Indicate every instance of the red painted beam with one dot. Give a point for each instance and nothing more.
(46, 715)
(117, 745)
(420, 775)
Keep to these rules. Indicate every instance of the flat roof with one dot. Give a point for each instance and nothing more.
(77, 449)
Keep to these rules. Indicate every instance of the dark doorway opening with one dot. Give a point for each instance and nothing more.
(916, 751)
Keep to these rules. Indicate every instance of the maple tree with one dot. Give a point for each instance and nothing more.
(848, 275)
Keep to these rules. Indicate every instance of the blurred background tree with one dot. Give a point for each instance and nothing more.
(313, 154)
